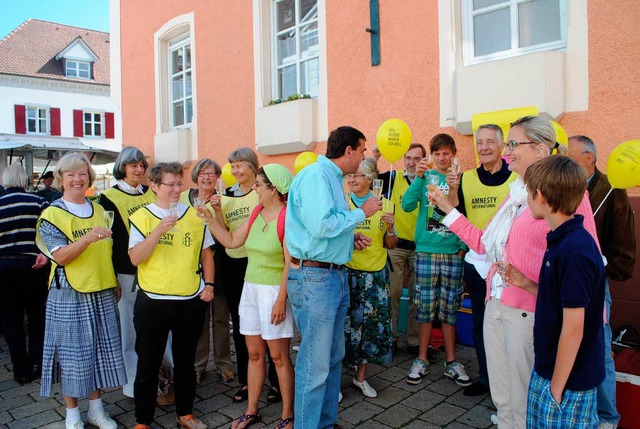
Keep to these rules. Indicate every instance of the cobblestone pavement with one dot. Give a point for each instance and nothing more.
(435, 403)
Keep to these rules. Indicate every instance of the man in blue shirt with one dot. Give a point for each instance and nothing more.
(319, 234)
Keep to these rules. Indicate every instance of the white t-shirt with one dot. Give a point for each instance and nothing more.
(135, 238)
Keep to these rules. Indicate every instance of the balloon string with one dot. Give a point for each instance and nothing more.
(391, 182)
(603, 200)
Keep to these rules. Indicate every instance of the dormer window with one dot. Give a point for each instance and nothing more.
(79, 69)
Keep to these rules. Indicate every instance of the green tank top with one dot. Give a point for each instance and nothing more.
(266, 256)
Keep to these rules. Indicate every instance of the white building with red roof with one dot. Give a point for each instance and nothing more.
(55, 93)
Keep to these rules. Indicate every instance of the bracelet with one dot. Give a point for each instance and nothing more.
(209, 284)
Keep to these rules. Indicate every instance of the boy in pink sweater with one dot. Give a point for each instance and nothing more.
(568, 331)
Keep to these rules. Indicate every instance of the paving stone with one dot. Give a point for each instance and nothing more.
(398, 416)
(35, 421)
(213, 404)
(477, 417)
(420, 424)
(467, 402)
(360, 412)
(444, 386)
(389, 396)
(33, 408)
(442, 414)
(5, 417)
(15, 402)
(393, 374)
(457, 425)
(424, 400)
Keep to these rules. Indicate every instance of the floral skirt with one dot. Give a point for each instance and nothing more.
(368, 333)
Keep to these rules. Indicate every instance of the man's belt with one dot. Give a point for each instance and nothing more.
(315, 264)
(406, 244)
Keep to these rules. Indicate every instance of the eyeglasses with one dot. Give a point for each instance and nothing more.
(207, 174)
(173, 185)
(355, 176)
(415, 159)
(511, 144)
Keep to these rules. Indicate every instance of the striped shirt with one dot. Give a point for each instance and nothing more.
(19, 212)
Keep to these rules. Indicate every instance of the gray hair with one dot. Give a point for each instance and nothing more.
(128, 155)
(494, 127)
(202, 165)
(15, 176)
(540, 130)
(369, 168)
(70, 162)
(587, 144)
(246, 155)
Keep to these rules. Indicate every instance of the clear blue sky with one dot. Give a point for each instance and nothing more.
(92, 14)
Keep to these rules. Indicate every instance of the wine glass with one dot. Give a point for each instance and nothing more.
(200, 205)
(429, 158)
(108, 217)
(220, 186)
(174, 210)
(433, 180)
(377, 188)
(455, 168)
(502, 260)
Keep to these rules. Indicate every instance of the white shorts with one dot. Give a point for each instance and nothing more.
(256, 304)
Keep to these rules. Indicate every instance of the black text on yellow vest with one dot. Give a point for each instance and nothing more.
(481, 202)
(127, 204)
(236, 212)
(174, 266)
(92, 270)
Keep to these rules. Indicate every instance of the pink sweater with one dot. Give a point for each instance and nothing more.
(526, 245)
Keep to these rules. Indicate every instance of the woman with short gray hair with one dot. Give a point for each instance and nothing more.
(123, 199)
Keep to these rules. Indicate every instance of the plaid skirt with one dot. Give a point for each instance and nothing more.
(82, 346)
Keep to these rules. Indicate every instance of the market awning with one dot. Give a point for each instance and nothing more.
(53, 148)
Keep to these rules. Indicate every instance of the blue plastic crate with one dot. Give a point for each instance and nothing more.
(464, 322)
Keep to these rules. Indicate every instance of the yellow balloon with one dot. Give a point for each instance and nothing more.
(561, 134)
(623, 165)
(393, 139)
(229, 179)
(304, 159)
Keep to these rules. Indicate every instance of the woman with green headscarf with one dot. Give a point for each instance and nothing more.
(265, 314)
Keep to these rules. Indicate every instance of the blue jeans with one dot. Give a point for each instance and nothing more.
(319, 298)
(607, 390)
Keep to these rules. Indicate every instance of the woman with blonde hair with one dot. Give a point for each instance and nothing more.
(82, 338)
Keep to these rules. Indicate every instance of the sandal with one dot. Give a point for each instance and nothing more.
(241, 395)
(250, 419)
(283, 423)
(273, 395)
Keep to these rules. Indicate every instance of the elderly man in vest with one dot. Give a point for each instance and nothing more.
(616, 234)
(479, 194)
(403, 256)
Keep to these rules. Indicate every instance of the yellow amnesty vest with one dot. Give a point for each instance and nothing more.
(127, 204)
(174, 265)
(481, 202)
(405, 222)
(90, 271)
(236, 212)
(374, 257)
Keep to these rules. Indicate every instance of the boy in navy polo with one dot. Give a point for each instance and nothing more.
(568, 330)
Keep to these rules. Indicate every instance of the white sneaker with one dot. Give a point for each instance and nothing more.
(75, 425)
(417, 372)
(102, 420)
(366, 388)
(456, 372)
(494, 419)
(339, 397)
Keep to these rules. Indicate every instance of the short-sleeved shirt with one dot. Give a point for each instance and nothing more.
(572, 276)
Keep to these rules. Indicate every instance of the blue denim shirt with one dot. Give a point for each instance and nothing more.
(319, 224)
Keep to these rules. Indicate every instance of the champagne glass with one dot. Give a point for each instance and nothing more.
(220, 186)
(200, 205)
(455, 168)
(377, 188)
(174, 210)
(433, 180)
(108, 217)
(429, 158)
(502, 260)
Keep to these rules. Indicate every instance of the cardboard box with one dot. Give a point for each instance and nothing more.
(464, 322)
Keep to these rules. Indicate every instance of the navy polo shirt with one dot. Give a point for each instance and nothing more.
(572, 276)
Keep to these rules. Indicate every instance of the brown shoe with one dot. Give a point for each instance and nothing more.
(165, 395)
(190, 422)
(227, 375)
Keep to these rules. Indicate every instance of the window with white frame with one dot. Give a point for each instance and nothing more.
(496, 29)
(295, 47)
(80, 69)
(37, 120)
(93, 124)
(181, 107)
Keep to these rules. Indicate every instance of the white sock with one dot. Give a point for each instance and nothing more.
(95, 407)
(73, 415)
